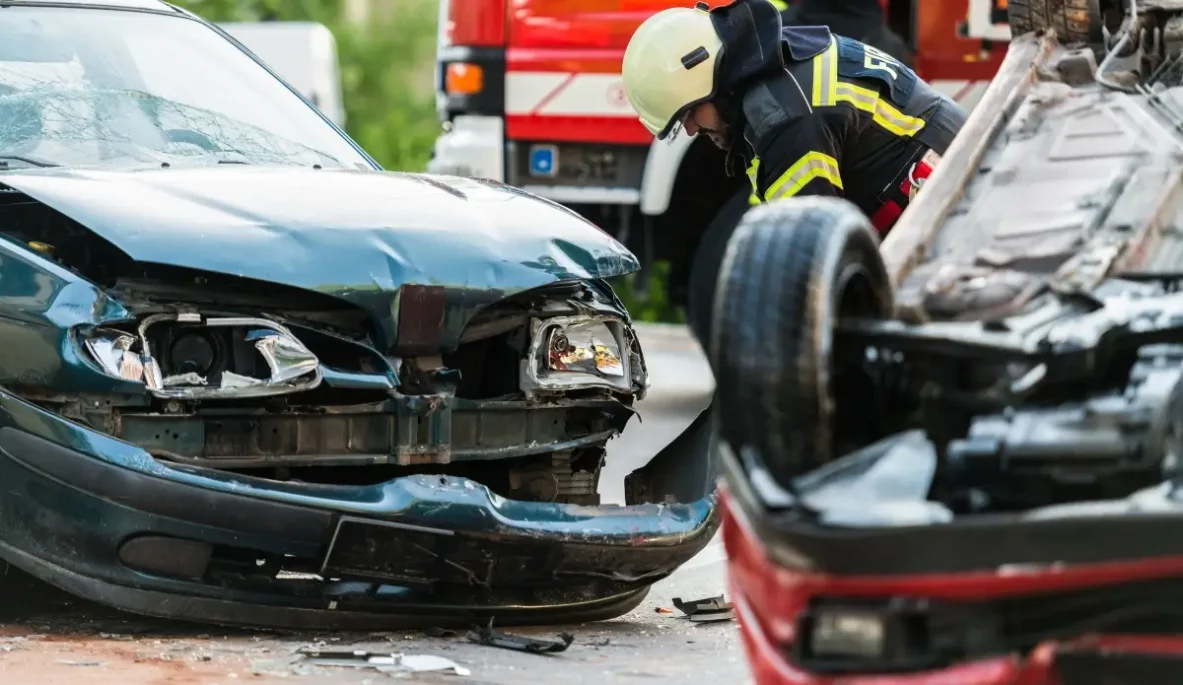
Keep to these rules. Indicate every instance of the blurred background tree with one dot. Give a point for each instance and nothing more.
(387, 79)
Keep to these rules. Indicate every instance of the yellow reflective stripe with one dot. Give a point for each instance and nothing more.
(886, 116)
(825, 76)
(811, 165)
(780, 5)
(754, 199)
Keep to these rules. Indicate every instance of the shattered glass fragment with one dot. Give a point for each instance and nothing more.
(286, 356)
(234, 380)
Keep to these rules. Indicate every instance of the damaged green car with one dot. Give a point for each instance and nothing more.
(248, 377)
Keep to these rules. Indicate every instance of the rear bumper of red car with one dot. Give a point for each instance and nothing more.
(770, 597)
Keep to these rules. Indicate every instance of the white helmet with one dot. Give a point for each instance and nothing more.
(669, 66)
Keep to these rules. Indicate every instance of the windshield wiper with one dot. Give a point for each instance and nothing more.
(5, 159)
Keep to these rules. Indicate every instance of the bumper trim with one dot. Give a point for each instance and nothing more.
(164, 497)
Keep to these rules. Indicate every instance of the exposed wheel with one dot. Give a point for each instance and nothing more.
(708, 256)
(791, 270)
(1074, 21)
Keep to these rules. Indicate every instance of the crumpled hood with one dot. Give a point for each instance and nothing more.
(357, 235)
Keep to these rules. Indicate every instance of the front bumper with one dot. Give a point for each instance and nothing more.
(1084, 622)
(767, 627)
(102, 519)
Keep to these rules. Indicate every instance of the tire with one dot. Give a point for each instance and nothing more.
(1075, 21)
(791, 269)
(708, 257)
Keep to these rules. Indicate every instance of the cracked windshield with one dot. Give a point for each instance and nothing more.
(96, 88)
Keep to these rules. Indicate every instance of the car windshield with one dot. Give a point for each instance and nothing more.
(103, 87)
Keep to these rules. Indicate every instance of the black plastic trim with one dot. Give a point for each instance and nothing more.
(491, 100)
(227, 612)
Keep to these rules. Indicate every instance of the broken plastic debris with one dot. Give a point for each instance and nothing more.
(191, 378)
(494, 638)
(385, 662)
(707, 610)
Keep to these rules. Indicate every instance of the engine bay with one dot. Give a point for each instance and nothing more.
(1034, 363)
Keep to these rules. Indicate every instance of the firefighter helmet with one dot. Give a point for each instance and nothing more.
(669, 66)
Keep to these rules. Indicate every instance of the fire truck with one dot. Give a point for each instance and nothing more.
(530, 94)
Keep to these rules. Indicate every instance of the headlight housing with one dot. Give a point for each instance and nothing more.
(577, 352)
(186, 356)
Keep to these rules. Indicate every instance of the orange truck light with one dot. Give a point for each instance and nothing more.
(464, 79)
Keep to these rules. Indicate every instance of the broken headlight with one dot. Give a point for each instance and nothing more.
(188, 356)
(578, 352)
(112, 351)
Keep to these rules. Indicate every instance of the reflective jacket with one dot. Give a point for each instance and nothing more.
(843, 118)
(810, 112)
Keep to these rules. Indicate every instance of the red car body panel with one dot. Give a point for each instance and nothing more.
(769, 598)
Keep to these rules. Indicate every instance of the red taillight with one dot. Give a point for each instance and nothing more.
(477, 23)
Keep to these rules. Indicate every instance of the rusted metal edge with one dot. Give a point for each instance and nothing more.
(905, 247)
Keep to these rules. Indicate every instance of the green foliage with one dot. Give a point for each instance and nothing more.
(656, 306)
(386, 69)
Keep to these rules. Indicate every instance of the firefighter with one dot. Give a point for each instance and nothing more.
(804, 111)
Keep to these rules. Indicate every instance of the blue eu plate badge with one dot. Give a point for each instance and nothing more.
(544, 160)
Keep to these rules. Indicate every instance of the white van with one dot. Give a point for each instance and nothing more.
(303, 53)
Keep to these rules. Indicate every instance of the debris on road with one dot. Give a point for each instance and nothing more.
(663, 610)
(520, 643)
(385, 662)
(709, 610)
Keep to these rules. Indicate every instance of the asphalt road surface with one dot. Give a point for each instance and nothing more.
(48, 638)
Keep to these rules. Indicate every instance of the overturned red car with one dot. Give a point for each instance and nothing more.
(954, 458)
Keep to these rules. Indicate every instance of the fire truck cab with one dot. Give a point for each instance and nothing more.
(530, 94)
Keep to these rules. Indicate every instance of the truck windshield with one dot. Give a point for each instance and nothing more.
(102, 87)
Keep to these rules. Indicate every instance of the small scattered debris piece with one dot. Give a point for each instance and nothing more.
(495, 638)
(11, 644)
(387, 663)
(429, 663)
(71, 662)
(663, 610)
(709, 610)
